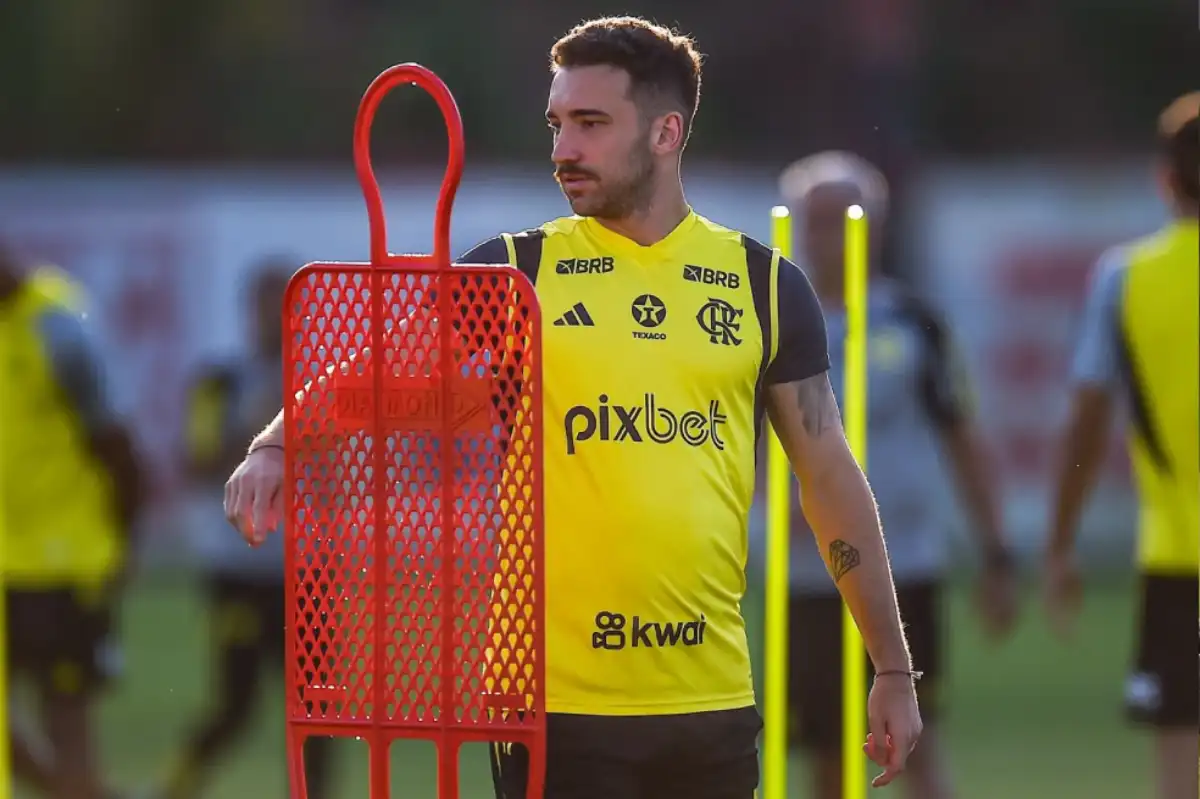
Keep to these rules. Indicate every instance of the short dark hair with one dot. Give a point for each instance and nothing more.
(1179, 141)
(662, 64)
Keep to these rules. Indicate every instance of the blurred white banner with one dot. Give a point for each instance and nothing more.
(1004, 251)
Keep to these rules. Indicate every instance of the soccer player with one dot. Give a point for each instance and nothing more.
(70, 490)
(229, 402)
(667, 338)
(919, 409)
(1138, 347)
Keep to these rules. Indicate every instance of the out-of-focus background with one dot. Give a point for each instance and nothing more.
(158, 150)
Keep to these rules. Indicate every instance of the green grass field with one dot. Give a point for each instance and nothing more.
(1031, 718)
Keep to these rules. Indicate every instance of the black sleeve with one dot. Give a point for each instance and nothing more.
(803, 347)
(76, 366)
(943, 384)
(527, 248)
(491, 251)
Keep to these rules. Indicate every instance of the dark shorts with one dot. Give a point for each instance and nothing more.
(815, 658)
(710, 755)
(63, 638)
(247, 615)
(1163, 689)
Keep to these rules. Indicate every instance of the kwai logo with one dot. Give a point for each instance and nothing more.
(611, 633)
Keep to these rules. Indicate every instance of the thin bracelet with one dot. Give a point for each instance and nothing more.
(256, 447)
(913, 675)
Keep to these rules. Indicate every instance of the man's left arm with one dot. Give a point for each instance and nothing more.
(77, 370)
(837, 501)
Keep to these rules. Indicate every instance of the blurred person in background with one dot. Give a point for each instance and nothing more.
(71, 490)
(919, 409)
(228, 404)
(1138, 347)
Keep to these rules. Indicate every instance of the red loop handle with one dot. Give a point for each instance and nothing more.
(431, 83)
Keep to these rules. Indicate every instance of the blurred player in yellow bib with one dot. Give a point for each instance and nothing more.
(667, 339)
(70, 491)
(1139, 346)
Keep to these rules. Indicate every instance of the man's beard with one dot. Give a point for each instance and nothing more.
(618, 198)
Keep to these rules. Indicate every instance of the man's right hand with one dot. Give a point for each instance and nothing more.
(254, 494)
(894, 721)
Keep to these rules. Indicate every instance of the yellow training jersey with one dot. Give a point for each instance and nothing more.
(655, 363)
(59, 522)
(1159, 327)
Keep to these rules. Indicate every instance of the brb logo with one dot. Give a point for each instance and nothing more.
(611, 633)
(711, 277)
(612, 422)
(584, 266)
(720, 321)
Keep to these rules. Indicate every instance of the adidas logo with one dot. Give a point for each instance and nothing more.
(576, 317)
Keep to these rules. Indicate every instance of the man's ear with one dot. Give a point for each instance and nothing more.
(667, 134)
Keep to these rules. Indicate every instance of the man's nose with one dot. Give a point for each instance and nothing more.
(565, 151)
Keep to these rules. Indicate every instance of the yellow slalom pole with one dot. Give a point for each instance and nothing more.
(854, 402)
(6, 777)
(6, 780)
(779, 504)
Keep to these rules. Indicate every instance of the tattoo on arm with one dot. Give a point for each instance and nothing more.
(818, 406)
(842, 559)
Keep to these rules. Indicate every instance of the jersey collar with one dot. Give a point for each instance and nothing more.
(611, 240)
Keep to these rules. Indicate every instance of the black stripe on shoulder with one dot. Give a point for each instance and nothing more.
(929, 324)
(912, 305)
(492, 252)
(758, 272)
(528, 245)
(937, 368)
(1139, 403)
